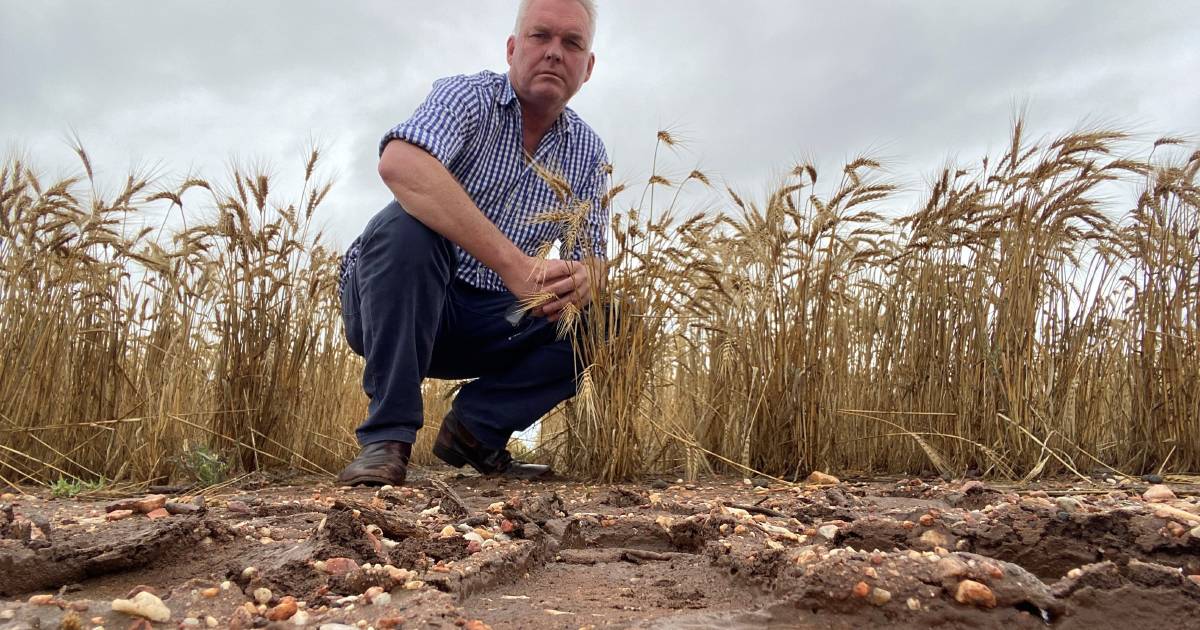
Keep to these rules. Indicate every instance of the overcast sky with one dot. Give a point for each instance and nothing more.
(753, 86)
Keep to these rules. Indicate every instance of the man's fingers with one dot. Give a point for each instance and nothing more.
(547, 270)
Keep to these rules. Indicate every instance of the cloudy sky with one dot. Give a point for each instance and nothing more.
(753, 86)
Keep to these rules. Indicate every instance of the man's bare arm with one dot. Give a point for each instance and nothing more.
(429, 193)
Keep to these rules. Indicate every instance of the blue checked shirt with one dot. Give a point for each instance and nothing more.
(472, 125)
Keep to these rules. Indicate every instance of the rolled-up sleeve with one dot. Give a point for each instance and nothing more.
(444, 122)
(593, 242)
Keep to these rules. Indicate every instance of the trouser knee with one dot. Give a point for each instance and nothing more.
(406, 243)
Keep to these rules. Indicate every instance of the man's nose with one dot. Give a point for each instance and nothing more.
(554, 52)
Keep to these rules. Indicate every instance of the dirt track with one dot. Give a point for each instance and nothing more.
(720, 553)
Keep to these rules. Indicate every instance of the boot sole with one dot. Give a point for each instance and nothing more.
(370, 480)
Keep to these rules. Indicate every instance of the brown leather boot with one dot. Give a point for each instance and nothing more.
(378, 464)
(456, 446)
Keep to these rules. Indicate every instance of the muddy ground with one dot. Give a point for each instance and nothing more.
(460, 551)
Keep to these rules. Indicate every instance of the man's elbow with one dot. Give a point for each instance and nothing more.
(394, 163)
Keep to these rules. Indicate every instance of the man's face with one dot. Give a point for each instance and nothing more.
(550, 56)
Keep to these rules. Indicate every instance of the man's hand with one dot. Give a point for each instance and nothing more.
(572, 282)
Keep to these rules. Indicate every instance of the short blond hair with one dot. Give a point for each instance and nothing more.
(588, 5)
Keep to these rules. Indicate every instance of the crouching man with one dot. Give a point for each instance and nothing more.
(429, 288)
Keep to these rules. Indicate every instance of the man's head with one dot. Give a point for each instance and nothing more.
(550, 50)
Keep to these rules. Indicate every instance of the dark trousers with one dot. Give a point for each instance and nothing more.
(408, 316)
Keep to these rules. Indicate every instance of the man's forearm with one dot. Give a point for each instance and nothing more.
(429, 193)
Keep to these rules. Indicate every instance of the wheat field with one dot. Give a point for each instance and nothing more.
(1036, 313)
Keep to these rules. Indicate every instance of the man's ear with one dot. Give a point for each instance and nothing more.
(511, 46)
(591, 64)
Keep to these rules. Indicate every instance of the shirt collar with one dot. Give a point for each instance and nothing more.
(507, 96)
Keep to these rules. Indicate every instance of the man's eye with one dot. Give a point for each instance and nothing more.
(538, 35)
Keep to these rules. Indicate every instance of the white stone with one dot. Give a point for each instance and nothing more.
(144, 604)
(828, 532)
(300, 618)
(935, 538)
(262, 595)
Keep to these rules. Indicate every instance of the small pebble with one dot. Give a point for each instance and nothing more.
(284, 610)
(821, 479)
(117, 515)
(340, 566)
(973, 593)
(262, 595)
(880, 596)
(300, 618)
(935, 538)
(144, 604)
(913, 603)
(1067, 504)
(1158, 494)
(182, 508)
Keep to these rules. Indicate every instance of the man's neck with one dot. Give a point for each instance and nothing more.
(535, 123)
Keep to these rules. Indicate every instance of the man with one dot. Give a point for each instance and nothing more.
(432, 286)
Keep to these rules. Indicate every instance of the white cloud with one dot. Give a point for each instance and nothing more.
(755, 86)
